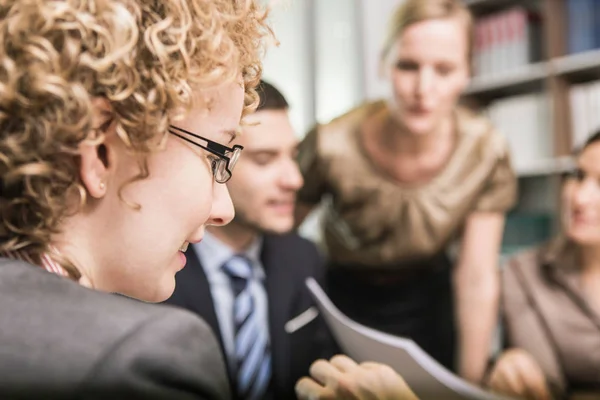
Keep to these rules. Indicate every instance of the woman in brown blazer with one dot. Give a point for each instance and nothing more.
(551, 300)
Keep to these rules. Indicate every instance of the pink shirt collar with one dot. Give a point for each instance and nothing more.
(46, 262)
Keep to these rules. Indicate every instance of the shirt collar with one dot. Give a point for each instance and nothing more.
(46, 261)
(215, 254)
(560, 262)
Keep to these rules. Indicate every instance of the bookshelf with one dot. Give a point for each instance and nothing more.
(567, 61)
(579, 67)
(524, 79)
(553, 75)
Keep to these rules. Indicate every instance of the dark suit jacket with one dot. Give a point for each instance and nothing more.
(288, 260)
(59, 340)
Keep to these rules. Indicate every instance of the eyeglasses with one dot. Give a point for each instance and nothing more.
(227, 157)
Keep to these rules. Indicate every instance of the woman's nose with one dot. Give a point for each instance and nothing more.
(222, 211)
(424, 81)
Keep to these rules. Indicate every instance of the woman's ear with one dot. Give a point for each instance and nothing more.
(94, 166)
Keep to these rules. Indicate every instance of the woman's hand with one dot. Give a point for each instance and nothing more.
(342, 378)
(517, 374)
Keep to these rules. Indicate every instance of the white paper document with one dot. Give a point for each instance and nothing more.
(425, 376)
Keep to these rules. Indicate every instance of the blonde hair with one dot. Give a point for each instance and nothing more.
(414, 11)
(143, 56)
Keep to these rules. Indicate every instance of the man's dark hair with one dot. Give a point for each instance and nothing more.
(592, 139)
(270, 98)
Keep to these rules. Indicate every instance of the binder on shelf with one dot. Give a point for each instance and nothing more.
(507, 40)
(525, 121)
(584, 99)
(581, 29)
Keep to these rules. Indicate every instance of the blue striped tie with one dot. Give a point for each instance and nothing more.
(252, 353)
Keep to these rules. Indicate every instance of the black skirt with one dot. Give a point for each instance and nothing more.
(417, 304)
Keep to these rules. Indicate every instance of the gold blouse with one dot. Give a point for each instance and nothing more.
(546, 313)
(372, 221)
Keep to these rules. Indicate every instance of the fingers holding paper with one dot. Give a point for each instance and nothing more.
(516, 373)
(342, 378)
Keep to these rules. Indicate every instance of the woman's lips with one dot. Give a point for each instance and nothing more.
(283, 207)
(182, 259)
(419, 110)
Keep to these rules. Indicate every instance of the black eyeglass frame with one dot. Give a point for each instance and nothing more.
(229, 155)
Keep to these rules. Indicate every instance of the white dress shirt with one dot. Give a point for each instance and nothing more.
(213, 255)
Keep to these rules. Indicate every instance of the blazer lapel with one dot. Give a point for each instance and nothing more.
(279, 294)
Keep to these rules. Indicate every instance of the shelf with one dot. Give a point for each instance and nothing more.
(520, 80)
(479, 7)
(546, 167)
(579, 67)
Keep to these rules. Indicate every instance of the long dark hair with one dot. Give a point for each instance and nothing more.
(572, 172)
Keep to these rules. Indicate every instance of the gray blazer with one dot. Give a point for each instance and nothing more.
(59, 340)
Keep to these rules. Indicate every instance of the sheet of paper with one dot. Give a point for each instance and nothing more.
(425, 376)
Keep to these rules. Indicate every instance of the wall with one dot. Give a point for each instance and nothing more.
(374, 20)
(338, 70)
(289, 66)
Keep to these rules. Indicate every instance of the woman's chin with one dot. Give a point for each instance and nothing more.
(419, 128)
(161, 291)
(165, 291)
(583, 237)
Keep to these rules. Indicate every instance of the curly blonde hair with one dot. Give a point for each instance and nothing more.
(143, 56)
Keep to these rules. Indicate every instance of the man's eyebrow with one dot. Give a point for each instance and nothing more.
(233, 133)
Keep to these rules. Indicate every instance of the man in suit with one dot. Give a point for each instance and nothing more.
(246, 279)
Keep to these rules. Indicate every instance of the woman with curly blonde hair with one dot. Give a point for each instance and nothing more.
(116, 118)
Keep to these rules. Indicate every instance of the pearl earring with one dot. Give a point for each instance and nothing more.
(102, 186)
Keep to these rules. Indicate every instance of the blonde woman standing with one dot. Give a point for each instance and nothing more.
(406, 177)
